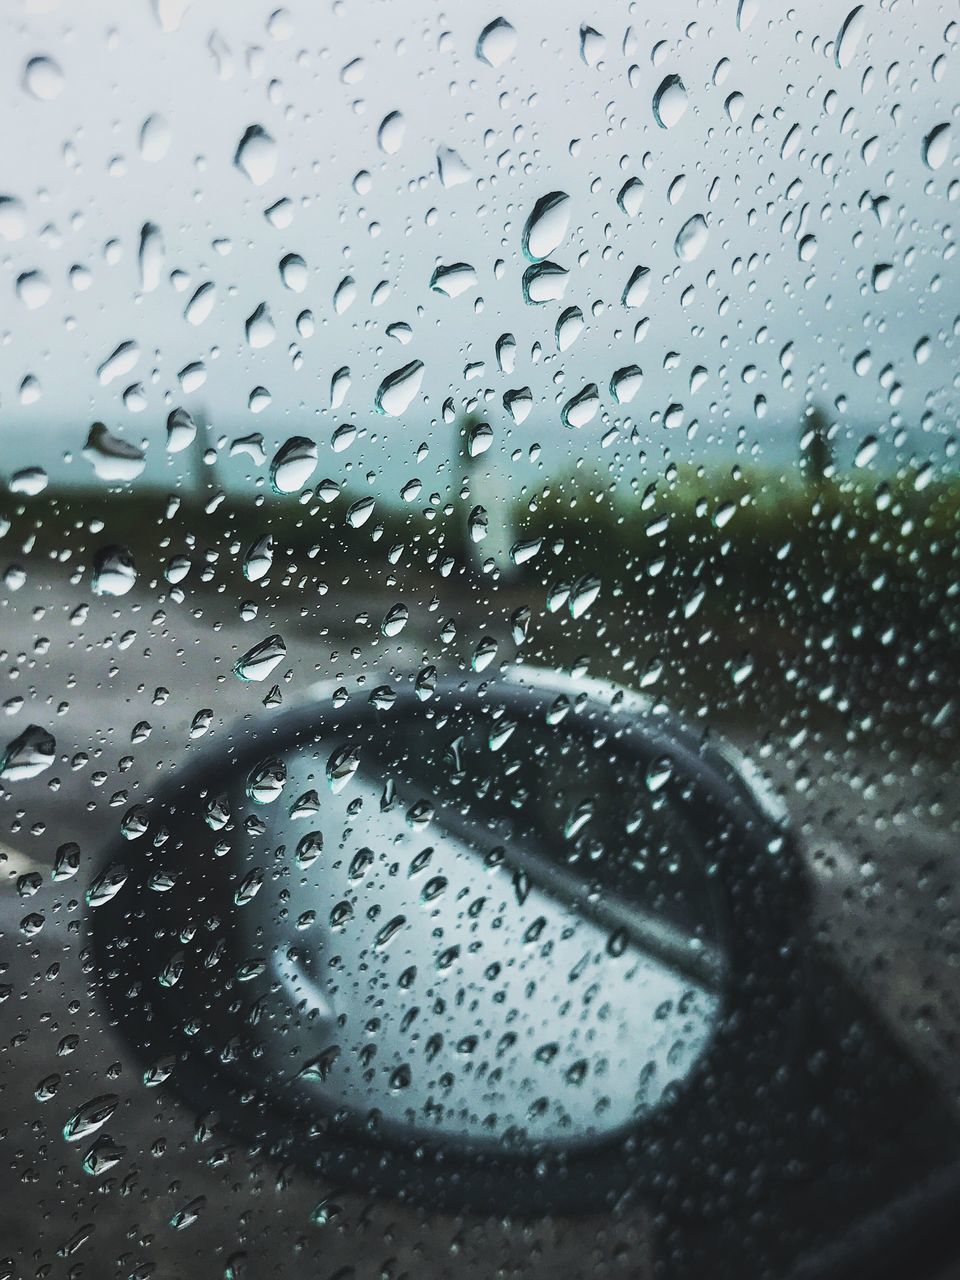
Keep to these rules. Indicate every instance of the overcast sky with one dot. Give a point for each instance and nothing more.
(806, 150)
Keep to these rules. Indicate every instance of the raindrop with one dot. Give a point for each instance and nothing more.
(359, 512)
(669, 102)
(259, 328)
(341, 767)
(33, 289)
(112, 458)
(546, 226)
(484, 654)
(569, 327)
(882, 277)
(28, 755)
(630, 197)
(154, 139)
(256, 155)
(849, 37)
(496, 42)
(118, 363)
(293, 272)
(43, 79)
(200, 305)
(518, 403)
(29, 481)
(583, 595)
(454, 279)
(581, 408)
(181, 431)
(259, 558)
(691, 238)
(293, 464)
(625, 383)
(398, 389)
(90, 1117)
(258, 662)
(13, 222)
(592, 45)
(506, 352)
(637, 288)
(451, 169)
(114, 572)
(265, 781)
(390, 134)
(395, 620)
(544, 282)
(344, 295)
(936, 146)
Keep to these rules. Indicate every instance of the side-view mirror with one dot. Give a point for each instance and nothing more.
(475, 944)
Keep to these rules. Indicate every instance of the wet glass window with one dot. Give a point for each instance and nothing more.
(479, 640)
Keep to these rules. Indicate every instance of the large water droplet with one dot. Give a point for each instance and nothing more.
(181, 431)
(849, 37)
(637, 288)
(201, 304)
(43, 78)
(398, 389)
(13, 220)
(450, 168)
(114, 572)
(669, 102)
(258, 662)
(33, 289)
(547, 225)
(150, 257)
(359, 512)
(265, 781)
(259, 327)
(113, 459)
(293, 272)
(625, 383)
(581, 408)
(28, 755)
(936, 146)
(882, 277)
(29, 481)
(293, 464)
(256, 155)
(118, 363)
(544, 282)
(341, 767)
(569, 327)
(630, 197)
(90, 1117)
(395, 620)
(592, 45)
(496, 42)
(259, 558)
(453, 280)
(518, 403)
(691, 238)
(154, 139)
(390, 134)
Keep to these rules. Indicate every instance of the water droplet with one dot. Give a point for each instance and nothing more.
(341, 766)
(201, 304)
(13, 220)
(592, 45)
(114, 572)
(112, 459)
(630, 197)
(454, 279)
(518, 403)
(181, 431)
(259, 558)
(398, 389)
(625, 383)
(451, 169)
(28, 755)
(936, 146)
(67, 861)
(581, 408)
(118, 363)
(659, 773)
(583, 595)
(265, 781)
(523, 551)
(480, 439)
(359, 512)
(691, 238)
(669, 102)
(868, 450)
(506, 352)
(256, 155)
(90, 1117)
(258, 662)
(154, 139)
(637, 288)
(339, 386)
(544, 282)
(569, 327)
(43, 79)
(390, 134)
(484, 654)
(33, 289)
(849, 37)
(496, 42)
(107, 884)
(293, 272)
(546, 226)
(882, 277)
(150, 257)
(29, 481)
(293, 464)
(747, 10)
(395, 620)
(259, 328)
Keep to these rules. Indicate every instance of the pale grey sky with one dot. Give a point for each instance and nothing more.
(808, 150)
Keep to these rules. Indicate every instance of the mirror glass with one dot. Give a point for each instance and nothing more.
(485, 929)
